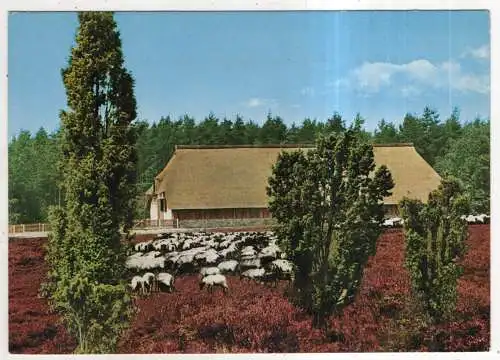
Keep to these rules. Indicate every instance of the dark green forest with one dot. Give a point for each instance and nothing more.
(453, 146)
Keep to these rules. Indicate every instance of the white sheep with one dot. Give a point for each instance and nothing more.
(471, 219)
(187, 244)
(165, 281)
(209, 256)
(210, 243)
(205, 271)
(145, 262)
(283, 269)
(388, 223)
(228, 266)
(249, 263)
(282, 265)
(482, 218)
(137, 284)
(271, 251)
(144, 246)
(153, 254)
(229, 251)
(211, 281)
(166, 245)
(224, 244)
(248, 251)
(149, 280)
(253, 273)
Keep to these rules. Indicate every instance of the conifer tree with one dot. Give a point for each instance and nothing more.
(98, 166)
(328, 206)
(435, 240)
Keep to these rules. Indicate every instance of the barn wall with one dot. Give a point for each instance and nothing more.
(208, 214)
(222, 217)
(153, 210)
(194, 218)
(249, 213)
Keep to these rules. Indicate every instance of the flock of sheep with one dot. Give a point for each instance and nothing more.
(252, 255)
(471, 219)
(155, 264)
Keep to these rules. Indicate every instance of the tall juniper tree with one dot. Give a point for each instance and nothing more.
(98, 167)
(327, 202)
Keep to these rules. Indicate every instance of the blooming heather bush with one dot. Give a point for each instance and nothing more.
(32, 328)
(256, 318)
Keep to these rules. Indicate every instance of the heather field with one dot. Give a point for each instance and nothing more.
(257, 318)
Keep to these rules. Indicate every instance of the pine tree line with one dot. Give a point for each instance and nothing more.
(449, 146)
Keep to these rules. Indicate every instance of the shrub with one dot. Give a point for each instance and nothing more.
(435, 240)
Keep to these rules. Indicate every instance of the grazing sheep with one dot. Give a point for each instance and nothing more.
(149, 280)
(165, 245)
(207, 257)
(205, 271)
(210, 243)
(224, 244)
(145, 262)
(144, 246)
(270, 277)
(184, 263)
(471, 219)
(393, 222)
(165, 282)
(187, 244)
(282, 265)
(228, 266)
(253, 273)
(212, 281)
(270, 252)
(248, 251)
(483, 218)
(250, 263)
(283, 269)
(171, 258)
(228, 252)
(238, 244)
(153, 254)
(137, 284)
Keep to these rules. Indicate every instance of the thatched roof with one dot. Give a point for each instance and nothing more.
(216, 177)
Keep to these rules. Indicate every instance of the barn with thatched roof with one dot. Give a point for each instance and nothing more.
(229, 182)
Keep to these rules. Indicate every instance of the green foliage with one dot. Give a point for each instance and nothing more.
(386, 133)
(14, 213)
(461, 151)
(435, 236)
(32, 176)
(98, 170)
(468, 159)
(95, 312)
(329, 213)
(273, 131)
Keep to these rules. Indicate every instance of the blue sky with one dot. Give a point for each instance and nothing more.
(294, 64)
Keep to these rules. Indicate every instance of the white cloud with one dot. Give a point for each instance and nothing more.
(412, 78)
(370, 77)
(307, 91)
(254, 102)
(410, 91)
(259, 102)
(482, 52)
